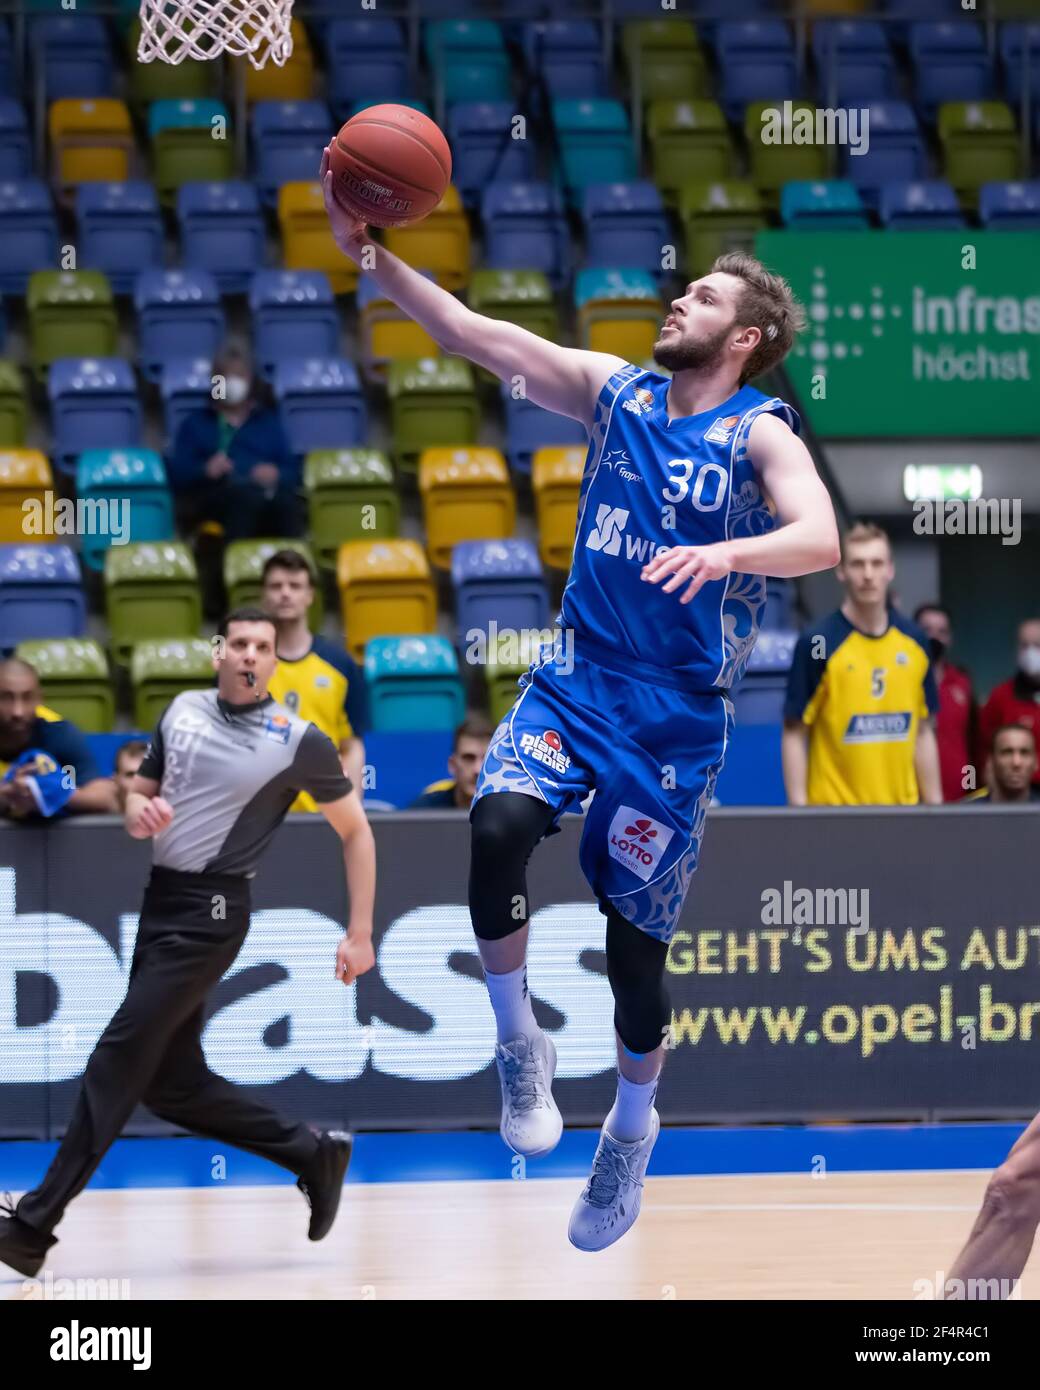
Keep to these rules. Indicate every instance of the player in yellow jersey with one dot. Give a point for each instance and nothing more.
(314, 678)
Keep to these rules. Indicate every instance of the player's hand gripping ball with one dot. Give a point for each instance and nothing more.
(390, 166)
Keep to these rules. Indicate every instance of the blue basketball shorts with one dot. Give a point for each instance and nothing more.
(651, 755)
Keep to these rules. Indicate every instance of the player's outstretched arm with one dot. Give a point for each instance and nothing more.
(347, 817)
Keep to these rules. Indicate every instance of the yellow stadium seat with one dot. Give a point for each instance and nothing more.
(292, 82)
(556, 482)
(627, 327)
(440, 242)
(388, 335)
(25, 476)
(91, 140)
(307, 241)
(385, 590)
(466, 496)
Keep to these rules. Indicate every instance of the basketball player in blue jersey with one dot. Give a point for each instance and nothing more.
(674, 538)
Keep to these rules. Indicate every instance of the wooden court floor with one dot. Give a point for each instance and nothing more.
(787, 1236)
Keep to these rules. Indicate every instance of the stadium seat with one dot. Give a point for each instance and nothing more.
(432, 401)
(504, 664)
(292, 81)
(41, 594)
(189, 80)
(13, 406)
(979, 145)
(71, 56)
(7, 58)
(365, 58)
(525, 226)
(440, 242)
(321, 403)
(28, 232)
(523, 297)
(755, 56)
(854, 61)
(595, 144)
(307, 241)
(71, 314)
(688, 140)
(625, 225)
(134, 479)
(1014, 38)
(716, 218)
(15, 143)
(759, 698)
(950, 63)
(160, 670)
(351, 497)
(779, 612)
(828, 205)
(619, 311)
(120, 230)
(413, 102)
(466, 495)
(191, 141)
(75, 680)
(243, 573)
(924, 204)
(25, 477)
(771, 165)
(222, 231)
(567, 55)
(530, 427)
(94, 403)
(179, 314)
(896, 153)
(151, 591)
(484, 147)
(294, 315)
(91, 140)
(556, 485)
(665, 58)
(385, 589)
(497, 585)
(412, 682)
(386, 332)
(185, 386)
(468, 59)
(288, 139)
(1010, 207)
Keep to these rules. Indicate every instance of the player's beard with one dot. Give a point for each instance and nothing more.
(681, 354)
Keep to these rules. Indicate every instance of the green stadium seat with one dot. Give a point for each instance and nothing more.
(341, 484)
(523, 297)
(717, 217)
(771, 166)
(244, 565)
(667, 57)
(184, 149)
(13, 406)
(71, 314)
(500, 678)
(433, 401)
(688, 140)
(151, 590)
(147, 82)
(979, 145)
(161, 669)
(75, 680)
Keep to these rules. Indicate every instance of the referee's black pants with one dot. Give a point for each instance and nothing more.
(192, 927)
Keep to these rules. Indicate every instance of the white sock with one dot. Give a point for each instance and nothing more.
(630, 1118)
(512, 1004)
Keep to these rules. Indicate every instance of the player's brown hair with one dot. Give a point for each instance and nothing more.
(473, 726)
(1011, 729)
(765, 302)
(866, 531)
(292, 560)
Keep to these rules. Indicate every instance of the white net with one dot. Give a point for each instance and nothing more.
(172, 30)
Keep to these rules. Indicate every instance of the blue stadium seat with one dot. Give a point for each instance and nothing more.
(922, 205)
(288, 139)
(412, 683)
(902, 13)
(7, 59)
(756, 62)
(15, 142)
(321, 404)
(568, 56)
(413, 102)
(366, 59)
(28, 232)
(625, 225)
(595, 143)
(222, 231)
(483, 149)
(896, 154)
(1010, 207)
(854, 61)
(822, 205)
(759, 698)
(950, 63)
(120, 230)
(73, 55)
(1013, 39)
(497, 582)
(94, 404)
(179, 314)
(530, 427)
(779, 613)
(41, 594)
(525, 228)
(185, 386)
(294, 315)
(134, 477)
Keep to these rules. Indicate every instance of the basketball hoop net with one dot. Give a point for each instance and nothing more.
(172, 30)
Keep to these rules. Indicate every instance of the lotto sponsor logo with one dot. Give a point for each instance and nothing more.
(878, 728)
(637, 841)
(546, 749)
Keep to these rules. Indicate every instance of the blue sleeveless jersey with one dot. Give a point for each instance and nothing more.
(650, 484)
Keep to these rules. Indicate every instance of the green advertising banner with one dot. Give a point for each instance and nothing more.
(903, 339)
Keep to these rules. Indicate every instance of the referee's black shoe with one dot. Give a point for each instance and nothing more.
(322, 1184)
(21, 1246)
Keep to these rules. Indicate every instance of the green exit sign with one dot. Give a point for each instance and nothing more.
(938, 482)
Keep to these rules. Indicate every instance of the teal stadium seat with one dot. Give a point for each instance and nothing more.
(413, 683)
(135, 477)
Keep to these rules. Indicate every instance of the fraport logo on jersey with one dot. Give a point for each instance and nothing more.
(877, 728)
(546, 748)
(721, 430)
(637, 841)
(277, 728)
(617, 461)
(642, 401)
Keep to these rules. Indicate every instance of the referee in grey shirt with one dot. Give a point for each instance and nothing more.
(222, 770)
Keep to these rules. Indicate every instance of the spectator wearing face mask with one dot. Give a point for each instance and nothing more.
(956, 724)
(231, 463)
(1017, 701)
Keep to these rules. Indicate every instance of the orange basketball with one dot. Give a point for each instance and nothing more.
(390, 165)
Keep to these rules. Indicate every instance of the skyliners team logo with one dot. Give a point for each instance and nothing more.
(642, 401)
(637, 841)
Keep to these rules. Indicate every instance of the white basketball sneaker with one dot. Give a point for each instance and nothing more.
(531, 1121)
(610, 1203)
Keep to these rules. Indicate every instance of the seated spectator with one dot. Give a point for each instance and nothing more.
(957, 720)
(128, 760)
(1017, 701)
(1010, 768)
(467, 757)
(46, 767)
(231, 463)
